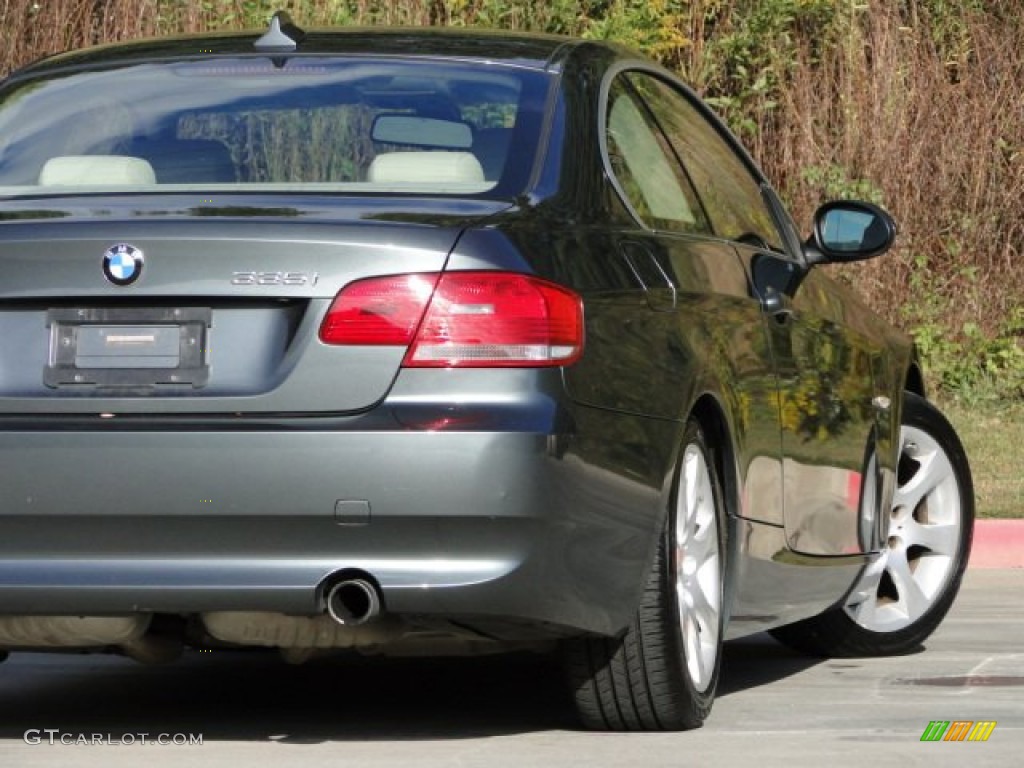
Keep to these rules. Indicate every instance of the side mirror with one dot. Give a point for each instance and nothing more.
(849, 230)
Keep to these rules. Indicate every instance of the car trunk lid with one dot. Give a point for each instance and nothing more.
(222, 313)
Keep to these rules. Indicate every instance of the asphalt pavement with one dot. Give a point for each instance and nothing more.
(774, 707)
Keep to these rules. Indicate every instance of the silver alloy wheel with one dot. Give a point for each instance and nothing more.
(920, 553)
(698, 572)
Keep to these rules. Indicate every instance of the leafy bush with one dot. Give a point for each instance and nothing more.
(969, 364)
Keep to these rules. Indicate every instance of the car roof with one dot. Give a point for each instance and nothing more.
(534, 51)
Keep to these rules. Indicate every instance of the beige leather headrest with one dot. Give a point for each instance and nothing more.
(425, 168)
(95, 171)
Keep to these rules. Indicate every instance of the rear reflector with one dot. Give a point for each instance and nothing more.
(473, 319)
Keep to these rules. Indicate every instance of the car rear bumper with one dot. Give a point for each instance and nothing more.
(452, 523)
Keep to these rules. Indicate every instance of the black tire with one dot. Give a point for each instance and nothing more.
(839, 631)
(642, 680)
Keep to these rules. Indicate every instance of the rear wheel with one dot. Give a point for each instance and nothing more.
(904, 594)
(662, 673)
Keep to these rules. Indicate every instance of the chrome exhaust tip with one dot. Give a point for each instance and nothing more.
(353, 602)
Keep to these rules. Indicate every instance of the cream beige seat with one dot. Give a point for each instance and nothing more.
(426, 168)
(95, 171)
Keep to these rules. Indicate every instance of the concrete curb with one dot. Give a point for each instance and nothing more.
(998, 544)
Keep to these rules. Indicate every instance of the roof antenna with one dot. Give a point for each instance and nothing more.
(283, 35)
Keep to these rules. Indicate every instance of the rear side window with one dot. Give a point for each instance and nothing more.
(306, 124)
(645, 167)
(730, 193)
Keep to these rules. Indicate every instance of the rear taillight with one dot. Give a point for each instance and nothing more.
(498, 319)
(380, 311)
(473, 319)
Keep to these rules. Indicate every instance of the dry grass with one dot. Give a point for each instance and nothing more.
(942, 142)
(993, 438)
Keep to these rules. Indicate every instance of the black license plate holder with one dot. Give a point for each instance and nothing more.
(128, 348)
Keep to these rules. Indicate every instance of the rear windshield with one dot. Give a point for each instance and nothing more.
(298, 124)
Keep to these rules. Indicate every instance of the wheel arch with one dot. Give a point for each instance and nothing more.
(710, 414)
(915, 379)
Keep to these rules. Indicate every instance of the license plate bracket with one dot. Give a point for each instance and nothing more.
(128, 348)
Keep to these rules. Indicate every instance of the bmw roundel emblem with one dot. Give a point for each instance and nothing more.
(122, 264)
